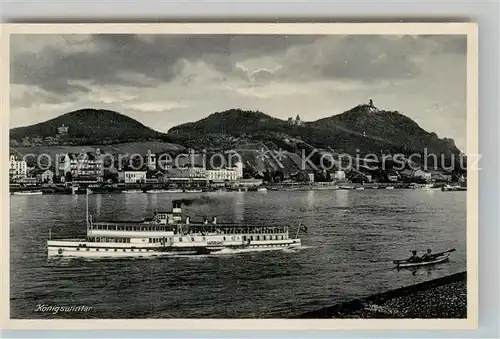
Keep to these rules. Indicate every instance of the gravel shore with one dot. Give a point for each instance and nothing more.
(440, 298)
(448, 301)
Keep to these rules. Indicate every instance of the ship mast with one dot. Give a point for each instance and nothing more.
(87, 206)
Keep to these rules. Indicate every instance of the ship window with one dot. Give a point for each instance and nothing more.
(78, 248)
(88, 249)
(264, 237)
(192, 238)
(132, 250)
(258, 237)
(150, 240)
(203, 238)
(224, 238)
(97, 250)
(123, 250)
(251, 237)
(116, 249)
(244, 237)
(180, 239)
(106, 249)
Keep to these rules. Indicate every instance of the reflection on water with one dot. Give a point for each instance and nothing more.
(352, 239)
(342, 198)
(239, 206)
(310, 199)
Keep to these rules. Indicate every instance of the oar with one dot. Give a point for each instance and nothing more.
(441, 253)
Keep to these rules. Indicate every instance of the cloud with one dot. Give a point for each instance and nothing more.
(162, 80)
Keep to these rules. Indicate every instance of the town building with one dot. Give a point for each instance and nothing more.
(85, 167)
(422, 175)
(28, 181)
(43, 176)
(221, 174)
(151, 160)
(238, 166)
(132, 177)
(441, 177)
(392, 177)
(62, 130)
(18, 169)
(185, 175)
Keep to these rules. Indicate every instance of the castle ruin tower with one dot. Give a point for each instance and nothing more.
(298, 122)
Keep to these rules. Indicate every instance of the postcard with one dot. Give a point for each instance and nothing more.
(240, 176)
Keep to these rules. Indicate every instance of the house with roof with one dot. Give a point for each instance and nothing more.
(84, 167)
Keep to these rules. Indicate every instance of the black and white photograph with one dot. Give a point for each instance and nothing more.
(239, 175)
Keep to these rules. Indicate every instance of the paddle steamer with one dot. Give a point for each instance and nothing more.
(166, 233)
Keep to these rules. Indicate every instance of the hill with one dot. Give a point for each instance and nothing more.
(365, 124)
(86, 126)
(362, 129)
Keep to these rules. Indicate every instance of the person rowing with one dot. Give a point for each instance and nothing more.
(428, 256)
(414, 257)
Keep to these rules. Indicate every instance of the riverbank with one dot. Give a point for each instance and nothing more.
(439, 298)
(106, 189)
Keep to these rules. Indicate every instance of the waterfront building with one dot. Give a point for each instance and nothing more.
(221, 174)
(186, 175)
(132, 177)
(238, 166)
(18, 169)
(84, 164)
(28, 181)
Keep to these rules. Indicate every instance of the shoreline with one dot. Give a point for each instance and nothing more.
(60, 189)
(444, 297)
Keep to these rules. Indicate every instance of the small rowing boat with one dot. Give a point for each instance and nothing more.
(437, 258)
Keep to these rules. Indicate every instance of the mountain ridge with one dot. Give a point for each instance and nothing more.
(364, 129)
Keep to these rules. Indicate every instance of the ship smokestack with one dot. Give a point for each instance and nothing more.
(176, 210)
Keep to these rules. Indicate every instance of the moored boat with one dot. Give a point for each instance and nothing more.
(132, 191)
(449, 188)
(172, 190)
(28, 193)
(325, 187)
(194, 190)
(262, 189)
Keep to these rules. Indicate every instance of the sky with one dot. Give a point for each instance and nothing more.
(166, 80)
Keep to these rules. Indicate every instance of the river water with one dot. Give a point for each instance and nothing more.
(352, 238)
